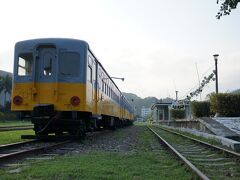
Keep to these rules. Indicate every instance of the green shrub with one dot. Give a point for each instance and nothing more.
(200, 109)
(8, 116)
(1, 115)
(226, 104)
(178, 113)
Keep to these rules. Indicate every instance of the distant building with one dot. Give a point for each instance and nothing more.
(145, 111)
(140, 119)
(161, 111)
(8, 98)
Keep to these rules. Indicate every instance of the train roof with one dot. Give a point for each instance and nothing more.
(49, 41)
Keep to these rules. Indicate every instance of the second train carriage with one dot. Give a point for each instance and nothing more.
(62, 86)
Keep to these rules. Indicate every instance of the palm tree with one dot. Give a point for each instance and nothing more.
(6, 86)
(1, 84)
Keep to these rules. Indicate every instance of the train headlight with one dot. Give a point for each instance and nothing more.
(75, 101)
(17, 100)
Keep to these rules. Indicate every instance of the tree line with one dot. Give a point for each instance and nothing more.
(5, 86)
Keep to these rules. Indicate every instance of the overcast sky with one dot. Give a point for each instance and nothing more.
(154, 44)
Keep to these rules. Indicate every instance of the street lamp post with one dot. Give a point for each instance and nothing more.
(176, 95)
(216, 71)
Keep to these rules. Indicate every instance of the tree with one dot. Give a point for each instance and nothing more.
(6, 86)
(226, 7)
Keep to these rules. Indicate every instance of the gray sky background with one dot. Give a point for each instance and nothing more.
(154, 44)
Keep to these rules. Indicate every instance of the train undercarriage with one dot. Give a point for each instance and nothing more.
(47, 121)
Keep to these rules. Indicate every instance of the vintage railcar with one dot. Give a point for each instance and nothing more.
(61, 85)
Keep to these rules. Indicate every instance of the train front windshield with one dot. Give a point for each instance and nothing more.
(69, 64)
(25, 64)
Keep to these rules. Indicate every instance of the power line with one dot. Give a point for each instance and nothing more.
(197, 84)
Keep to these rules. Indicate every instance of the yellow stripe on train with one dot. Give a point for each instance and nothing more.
(60, 95)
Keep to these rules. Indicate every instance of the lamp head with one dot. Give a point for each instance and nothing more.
(215, 56)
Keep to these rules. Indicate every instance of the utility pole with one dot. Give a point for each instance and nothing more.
(176, 96)
(216, 70)
(198, 81)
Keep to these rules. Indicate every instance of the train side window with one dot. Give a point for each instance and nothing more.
(99, 79)
(69, 64)
(89, 74)
(25, 64)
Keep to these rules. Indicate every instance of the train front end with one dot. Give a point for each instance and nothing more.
(49, 83)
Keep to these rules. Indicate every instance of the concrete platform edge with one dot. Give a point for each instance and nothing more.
(234, 145)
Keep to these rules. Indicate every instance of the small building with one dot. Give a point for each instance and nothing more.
(161, 111)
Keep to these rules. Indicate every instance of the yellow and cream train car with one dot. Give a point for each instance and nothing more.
(61, 85)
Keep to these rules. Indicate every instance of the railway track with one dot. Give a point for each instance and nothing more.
(24, 149)
(206, 160)
(14, 128)
(20, 150)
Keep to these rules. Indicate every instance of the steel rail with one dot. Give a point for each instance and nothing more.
(180, 156)
(19, 126)
(14, 128)
(6, 146)
(9, 156)
(203, 143)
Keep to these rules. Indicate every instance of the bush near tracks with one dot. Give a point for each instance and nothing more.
(200, 109)
(226, 104)
(6, 114)
(178, 113)
(1, 115)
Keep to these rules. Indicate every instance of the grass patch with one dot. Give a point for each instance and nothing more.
(7, 137)
(14, 123)
(140, 163)
(104, 166)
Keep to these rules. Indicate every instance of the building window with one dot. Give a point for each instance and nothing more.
(69, 64)
(25, 64)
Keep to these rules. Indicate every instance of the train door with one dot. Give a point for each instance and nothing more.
(46, 74)
(98, 90)
(121, 107)
(94, 86)
(91, 84)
